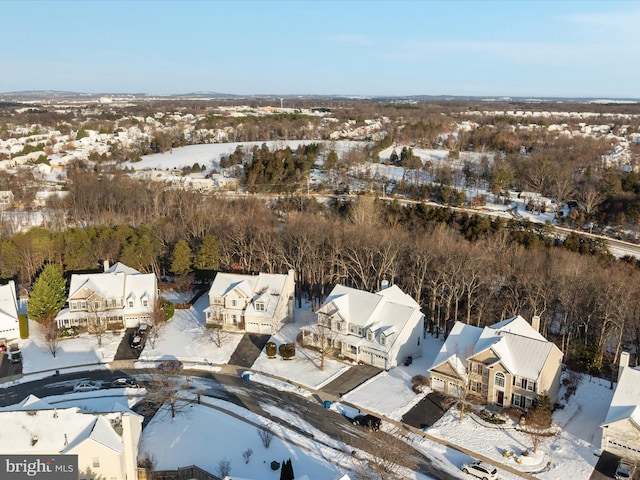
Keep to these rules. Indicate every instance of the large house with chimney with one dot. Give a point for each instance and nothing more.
(621, 427)
(106, 443)
(380, 329)
(506, 364)
(121, 297)
(9, 326)
(260, 303)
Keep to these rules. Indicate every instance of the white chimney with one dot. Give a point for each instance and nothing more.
(624, 362)
(535, 323)
(384, 284)
(106, 265)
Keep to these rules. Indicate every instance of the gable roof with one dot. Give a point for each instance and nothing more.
(266, 288)
(517, 345)
(625, 403)
(385, 313)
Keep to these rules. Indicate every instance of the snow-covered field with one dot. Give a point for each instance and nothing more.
(571, 454)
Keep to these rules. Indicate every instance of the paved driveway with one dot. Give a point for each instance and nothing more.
(125, 352)
(248, 349)
(349, 380)
(427, 411)
(606, 467)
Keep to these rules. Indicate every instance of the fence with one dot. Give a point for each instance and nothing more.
(192, 472)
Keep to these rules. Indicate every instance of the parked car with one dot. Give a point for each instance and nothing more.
(368, 421)
(142, 329)
(136, 342)
(124, 382)
(87, 386)
(481, 470)
(625, 470)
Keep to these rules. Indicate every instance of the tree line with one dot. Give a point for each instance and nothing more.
(459, 267)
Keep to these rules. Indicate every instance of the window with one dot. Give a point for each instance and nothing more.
(145, 303)
(96, 305)
(96, 462)
(383, 340)
(74, 305)
(531, 386)
(260, 307)
(234, 303)
(130, 303)
(217, 300)
(354, 349)
(369, 335)
(475, 386)
(83, 304)
(499, 379)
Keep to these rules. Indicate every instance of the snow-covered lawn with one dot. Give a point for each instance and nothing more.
(570, 454)
(185, 337)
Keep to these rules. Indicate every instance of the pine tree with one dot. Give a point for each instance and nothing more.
(48, 294)
(286, 472)
(182, 258)
(208, 253)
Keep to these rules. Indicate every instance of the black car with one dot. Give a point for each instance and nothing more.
(124, 382)
(136, 342)
(368, 421)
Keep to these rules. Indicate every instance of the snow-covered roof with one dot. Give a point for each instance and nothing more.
(384, 313)
(625, 403)
(118, 282)
(8, 309)
(519, 347)
(264, 288)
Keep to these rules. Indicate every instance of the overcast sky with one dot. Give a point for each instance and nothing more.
(502, 48)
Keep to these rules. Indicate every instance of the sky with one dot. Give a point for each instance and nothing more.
(360, 48)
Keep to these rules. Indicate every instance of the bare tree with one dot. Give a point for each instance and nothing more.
(265, 435)
(320, 336)
(165, 387)
(246, 455)
(159, 319)
(387, 459)
(49, 328)
(97, 320)
(224, 468)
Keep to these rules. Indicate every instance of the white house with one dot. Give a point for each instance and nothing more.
(260, 303)
(9, 327)
(621, 427)
(380, 329)
(506, 364)
(120, 296)
(106, 443)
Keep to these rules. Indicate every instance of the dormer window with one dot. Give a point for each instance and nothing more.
(130, 303)
(369, 335)
(383, 340)
(145, 303)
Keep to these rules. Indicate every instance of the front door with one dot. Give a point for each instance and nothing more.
(500, 400)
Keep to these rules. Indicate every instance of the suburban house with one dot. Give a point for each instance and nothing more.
(506, 364)
(120, 296)
(106, 443)
(260, 303)
(380, 329)
(621, 427)
(9, 327)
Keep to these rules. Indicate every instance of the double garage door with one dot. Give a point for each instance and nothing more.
(257, 327)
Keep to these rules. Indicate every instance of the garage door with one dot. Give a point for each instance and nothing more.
(257, 327)
(437, 384)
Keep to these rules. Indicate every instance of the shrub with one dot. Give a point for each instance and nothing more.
(418, 382)
(271, 349)
(23, 325)
(287, 350)
(169, 309)
(69, 332)
(491, 417)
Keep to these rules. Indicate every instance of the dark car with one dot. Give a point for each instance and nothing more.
(136, 342)
(124, 382)
(368, 421)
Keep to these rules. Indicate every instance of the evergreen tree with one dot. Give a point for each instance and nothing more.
(182, 258)
(208, 253)
(286, 472)
(48, 294)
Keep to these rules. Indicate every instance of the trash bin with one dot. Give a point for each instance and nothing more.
(246, 377)
(327, 404)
